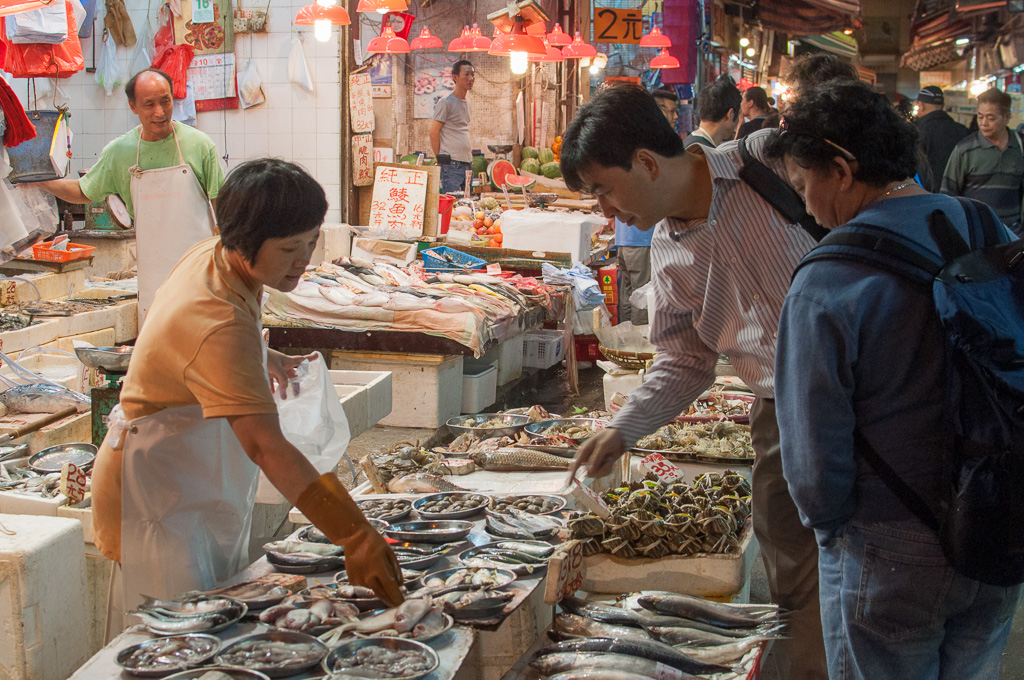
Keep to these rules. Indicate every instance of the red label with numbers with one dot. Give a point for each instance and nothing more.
(659, 465)
(73, 482)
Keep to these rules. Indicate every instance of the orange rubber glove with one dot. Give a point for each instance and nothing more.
(369, 561)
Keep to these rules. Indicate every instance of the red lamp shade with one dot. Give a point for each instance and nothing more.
(382, 6)
(558, 38)
(553, 54)
(425, 41)
(477, 41)
(578, 49)
(517, 41)
(459, 44)
(310, 14)
(387, 43)
(655, 39)
(664, 60)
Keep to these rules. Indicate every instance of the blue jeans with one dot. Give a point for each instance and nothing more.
(453, 176)
(893, 607)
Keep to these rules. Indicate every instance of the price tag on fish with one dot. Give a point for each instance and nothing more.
(567, 562)
(73, 482)
(659, 465)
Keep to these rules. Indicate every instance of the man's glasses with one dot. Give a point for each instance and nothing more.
(786, 129)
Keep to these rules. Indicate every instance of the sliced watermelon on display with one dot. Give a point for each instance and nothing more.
(518, 183)
(498, 170)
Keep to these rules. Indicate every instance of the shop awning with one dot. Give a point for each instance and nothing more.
(835, 42)
(14, 6)
(808, 17)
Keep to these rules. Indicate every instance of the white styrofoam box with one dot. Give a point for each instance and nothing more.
(36, 334)
(393, 252)
(30, 504)
(62, 369)
(479, 385)
(622, 382)
(43, 598)
(30, 287)
(336, 240)
(543, 349)
(81, 511)
(508, 356)
(426, 388)
(550, 232)
(365, 397)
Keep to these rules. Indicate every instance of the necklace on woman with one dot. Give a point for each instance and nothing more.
(898, 187)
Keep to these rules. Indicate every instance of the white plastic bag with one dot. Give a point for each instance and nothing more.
(298, 70)
(185, 109)
(142, 53)
(109, 72)
(314, 422)
(250, 85)
(47, 25)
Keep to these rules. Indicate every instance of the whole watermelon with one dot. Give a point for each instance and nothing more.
(530, 165)
(551, 170)
(479, 165)
(529, 152)
(545, 155)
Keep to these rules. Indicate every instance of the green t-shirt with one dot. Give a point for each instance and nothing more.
(110, 173)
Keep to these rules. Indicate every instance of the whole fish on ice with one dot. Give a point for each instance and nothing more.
(41, 398)
(421, 482)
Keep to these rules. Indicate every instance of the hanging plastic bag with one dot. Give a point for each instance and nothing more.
(298, 70)
(174, 61)
(46, 61)
(250, 85)
(313, 421)
(46, 25)
(142, 54)
(109, 72)
(185, 109)
(35, 221)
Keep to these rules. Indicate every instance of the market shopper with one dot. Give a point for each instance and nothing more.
(718, 106)
(988, 165)
(861, 364)
(811, 71)
(754, 109)
(668, 102)
(175, 480)
(449, 133)
(939, 133)
(722, 260)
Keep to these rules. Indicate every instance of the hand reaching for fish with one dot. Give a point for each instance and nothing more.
(599, 452)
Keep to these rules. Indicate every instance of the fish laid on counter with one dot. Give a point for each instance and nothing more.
(573, 664)
(25, 481)
(580, 626)
(515, 460)
(251, 591)
(41, 398)
(416, 618)
(306, 613)
(192, 615)
(713, 613)
(523, 526)
(422, 482)
(645, 649)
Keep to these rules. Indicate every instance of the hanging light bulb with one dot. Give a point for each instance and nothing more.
(459, 44)
(517, 40)
(600, 61)
(655, 39)
(557, 37)
(322, 29)
(322, 16)
(519, 62)
(578, 49)
(664, 60)
(744, 42)
(751, 51)
(553, 53)
(426, 41)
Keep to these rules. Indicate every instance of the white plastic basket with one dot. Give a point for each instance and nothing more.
(543, 349)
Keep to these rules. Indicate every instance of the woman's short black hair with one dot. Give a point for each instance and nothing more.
(267, 198)
(610, 128)
(850, 115)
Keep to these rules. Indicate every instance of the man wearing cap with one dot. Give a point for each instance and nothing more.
(939, 133)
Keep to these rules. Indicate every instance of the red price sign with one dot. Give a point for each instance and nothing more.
(659, 465)
(73, 482)
(567, 563)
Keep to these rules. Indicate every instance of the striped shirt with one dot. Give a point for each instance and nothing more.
(719, 287)
(979, 169)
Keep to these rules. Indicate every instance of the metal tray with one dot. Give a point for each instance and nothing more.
(251, 604)
(418, 504)
(536, 430)
(561, 502)
(13, 451)
(242, 609)
(108, 358)
(504, 575)
(421, 563)
(122, 656)
(525, 570)
(742, 419)
(233, 673)
(279, 636)
(327, 563)
(53, 458)
(442, 531)
(515, 424)
(691, 457)
(350, 648)
(449, 623)
(396, 517)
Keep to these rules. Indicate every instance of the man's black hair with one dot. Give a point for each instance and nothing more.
(666, 93)
(813, 70)
(457, 67)
(758, 97)
(267, 198)
(717, 100)
(129, 87)
(609, 129)
(858, 119)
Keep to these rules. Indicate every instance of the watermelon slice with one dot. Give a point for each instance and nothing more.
(498, 170)
(518, 183)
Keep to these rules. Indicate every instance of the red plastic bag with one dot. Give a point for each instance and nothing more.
(45, 61)
(174, 61)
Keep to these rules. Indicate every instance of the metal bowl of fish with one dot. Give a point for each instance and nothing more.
(200, 613)
(487, 425)
(107, 358)
(577, 429)
(8, 453)
(441, 531)
(493, 556)
(166, 655)
(218, 673)
(535, 504)
(466, 578)
(314, 611)
(383, 658)
(418, 618)
(53, 459)
(387, 509)
(476, 605)
(254, 594)
(304, 557)
(360, 597)
(418, 556)
(451, 505)
(278, 654)
(522, 526)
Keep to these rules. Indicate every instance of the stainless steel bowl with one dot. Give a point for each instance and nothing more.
(444, 531)
(350, 648)
(212, 641)
(458, 425)
(231, 672)
(107, 358)
(503, 576)
(279, 636)
(530, 570)
(536, 430)
(458, 514)
(53, 459)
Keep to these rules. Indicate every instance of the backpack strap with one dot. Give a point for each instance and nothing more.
(911, 500)
(776, 192)
(876, 248)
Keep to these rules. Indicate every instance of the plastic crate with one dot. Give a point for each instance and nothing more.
(445, 259)
(43, 251)
(588, 348)
(543, 349)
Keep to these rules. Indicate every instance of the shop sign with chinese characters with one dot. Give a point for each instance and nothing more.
(399, 196)
(360, 102)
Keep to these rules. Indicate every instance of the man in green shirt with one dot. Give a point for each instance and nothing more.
(149, 96)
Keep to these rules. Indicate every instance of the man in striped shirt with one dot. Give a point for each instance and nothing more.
(722, 260)
(989, 165)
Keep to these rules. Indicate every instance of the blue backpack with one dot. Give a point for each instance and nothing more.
(978, 294)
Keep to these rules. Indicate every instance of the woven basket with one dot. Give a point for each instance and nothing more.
(634, 361)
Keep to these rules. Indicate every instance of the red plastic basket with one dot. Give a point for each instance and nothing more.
(587, 348)
(75, 251)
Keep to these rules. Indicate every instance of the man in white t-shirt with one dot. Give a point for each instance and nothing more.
(449, 133)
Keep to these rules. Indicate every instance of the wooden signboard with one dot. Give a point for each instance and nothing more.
(362, 160)
(360, 99)
(399, 202)
(565, 572)
(430, 221)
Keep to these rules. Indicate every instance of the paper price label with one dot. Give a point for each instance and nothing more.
(659, 465)
(590, 499)
(568, 563)
(665, 672)
(73, 482)
(202, 11)
(493, 268)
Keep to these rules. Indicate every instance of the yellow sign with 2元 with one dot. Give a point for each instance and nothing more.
(618, 25)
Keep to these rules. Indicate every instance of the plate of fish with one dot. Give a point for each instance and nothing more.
(476, 605)
(218, 673)
(440, 531)
(166, 655)
(53, 459)
(393, 658)
(314, 611)
(197, 613)
(722, 441)
(451, 505)
(558, 445)
(466, 578)
(536, 413)
(521, 526)
(535, 504)
(486, 425)
(418, 618)
(278, 654)
(493, 556)
(577, 429)
(304, 557)
(310, 534)
(254, 594)
(387, 509)
(363, 599)
(417, 556)
(717, 406)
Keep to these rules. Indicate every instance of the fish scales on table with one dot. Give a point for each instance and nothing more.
(645, 649)
(516, 459)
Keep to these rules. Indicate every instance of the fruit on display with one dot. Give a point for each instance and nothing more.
(551, 170)
(479, 165)
(545, 156)
(529, 152)
(497, 170)
(518, 183)
(556, 147)
(530, 165)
